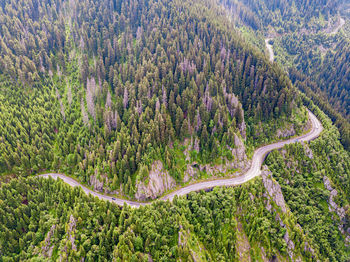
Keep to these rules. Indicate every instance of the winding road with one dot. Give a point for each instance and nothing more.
(269, 47)
(254, 171)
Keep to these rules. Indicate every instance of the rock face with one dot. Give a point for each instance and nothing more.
(99, 186)
(307, 126)
(308, 151)
(290, 244)
(308, 248)
(240, 160)
(190, 172)
(333, 207)
(274, 190)
(287, 132)
(239, 152)
(47, 248)
(71, 229)
(96, 184)
(70, 237)
(159, 182)
(242, 129)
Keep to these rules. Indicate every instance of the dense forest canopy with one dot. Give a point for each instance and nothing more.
(311, 41)
(283, 15)
(109, 86)
(103, 90)
(47, 219)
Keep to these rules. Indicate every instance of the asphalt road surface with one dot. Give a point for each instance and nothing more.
(254, 171)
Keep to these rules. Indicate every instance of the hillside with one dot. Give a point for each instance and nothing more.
(272, 217)
(145, 102)
(114, 98)
(310, 41)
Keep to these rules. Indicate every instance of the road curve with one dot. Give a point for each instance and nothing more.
(254, 171)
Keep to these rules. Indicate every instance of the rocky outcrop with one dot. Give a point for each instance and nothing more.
(70, 238)
(308, 248)
(242, 129)
(290, 245)
(347, 241)
(196, 145)
(308, 125)
(47, 248)
(101, 186)
(71, 228)
(242, 244)
(289, 242)
(96, 184)
(333, 207)
(190, 172)
(159, 181)
(273, 189)
(286, 132)
(239, 152)
(192, 168)
(240, 160)
(181, 239)
(308, 151)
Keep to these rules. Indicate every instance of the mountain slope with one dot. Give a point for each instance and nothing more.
(128, 82)
(311, 41)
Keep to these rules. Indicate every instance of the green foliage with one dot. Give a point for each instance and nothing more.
(310, 40)
(43, 218)
(100, 102)
(302, 175)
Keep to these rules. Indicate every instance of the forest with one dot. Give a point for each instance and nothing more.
(311, 42)
(47, 219)
(102, 96)
(44, 219)
(284, 16)
(104, 91)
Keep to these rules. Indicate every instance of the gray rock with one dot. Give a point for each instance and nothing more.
(286, 132)
(196, 146)
(95, 183)
(71, 228)
(308, 151)
(290, 244)
(47, 248)
(332, 205)
(242, 129)
(274, 190)
(159, 182)
(239, 152)
(347, 241)
(308, 248)
(190, 172)
(327, 183)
